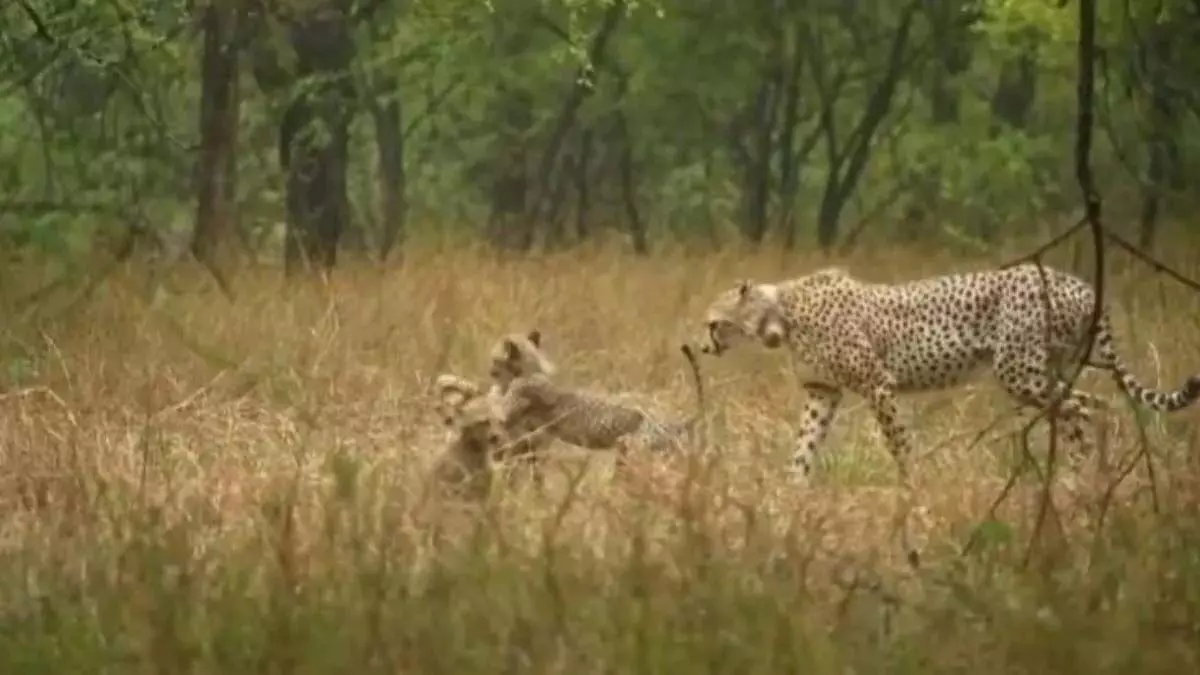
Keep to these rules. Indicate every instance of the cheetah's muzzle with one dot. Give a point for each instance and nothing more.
(713, 344)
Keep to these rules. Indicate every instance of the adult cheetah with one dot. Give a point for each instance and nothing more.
(877, 340)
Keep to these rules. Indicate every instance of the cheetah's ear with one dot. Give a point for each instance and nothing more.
(744, 287)
(535, 336)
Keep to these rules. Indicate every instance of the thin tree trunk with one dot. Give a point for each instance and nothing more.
(582, 187)
(1016, 90)
(215, 233)
(314, 140)
(507, 169)
(637, 228)
(389, 145)
(788, 161)
(758, 179)
(847, 167)
(580, 90)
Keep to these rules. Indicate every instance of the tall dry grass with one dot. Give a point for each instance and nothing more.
(202, 486)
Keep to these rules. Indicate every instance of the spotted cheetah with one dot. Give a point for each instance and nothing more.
(597, 421)
(475, 426)
(877, 340)
(518, 354)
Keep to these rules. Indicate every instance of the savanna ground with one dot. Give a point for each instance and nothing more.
(196, 485)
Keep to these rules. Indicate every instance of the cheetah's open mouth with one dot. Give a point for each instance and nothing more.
(713, 344)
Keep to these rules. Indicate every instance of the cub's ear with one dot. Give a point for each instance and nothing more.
(535, 336)
(744, 287)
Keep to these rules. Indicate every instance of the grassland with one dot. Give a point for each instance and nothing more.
(200, 486)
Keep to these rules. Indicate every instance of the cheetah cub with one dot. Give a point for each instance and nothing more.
(521, 441)
(597, 421)
(476, 430)
(513, 356)
(517, 355)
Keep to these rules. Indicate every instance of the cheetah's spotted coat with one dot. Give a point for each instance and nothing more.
(597, 421)
(877, 340)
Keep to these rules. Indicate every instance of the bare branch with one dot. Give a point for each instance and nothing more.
(39, 25)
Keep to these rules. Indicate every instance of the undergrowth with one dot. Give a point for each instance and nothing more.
(206, 486)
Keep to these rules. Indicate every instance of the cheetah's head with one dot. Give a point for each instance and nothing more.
(479, 427)
(471, 415)
(748, 312)
(516, 355)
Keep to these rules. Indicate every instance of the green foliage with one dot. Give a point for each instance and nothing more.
(1010, 27)
(94, 97)
(98, 106)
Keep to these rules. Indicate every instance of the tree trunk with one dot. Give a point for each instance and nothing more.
(389, 144)
(510, 172)
(847, 164)
(951, 29)
(508, 168)
(757, 171)
(1162, 146)
(583, 194)
(951, 37)
(637, 228)
(314, 139)
(581, 88)
(1015, 91)
(788, 161)
(623, 140)
(757, 188)
(215, 233)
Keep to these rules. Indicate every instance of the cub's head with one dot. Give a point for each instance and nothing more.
(518, 355)
(468, 412)
(747, 312)
(478, 425)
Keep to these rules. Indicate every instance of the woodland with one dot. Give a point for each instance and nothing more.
(239, 239)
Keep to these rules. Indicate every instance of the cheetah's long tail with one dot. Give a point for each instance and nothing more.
(698, 381)
(1163, 401)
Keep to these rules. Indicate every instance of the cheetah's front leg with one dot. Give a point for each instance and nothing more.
(819, 411)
